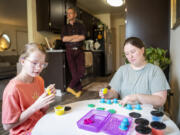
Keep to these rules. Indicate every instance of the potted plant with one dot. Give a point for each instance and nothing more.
(158, 57)
(155, 56)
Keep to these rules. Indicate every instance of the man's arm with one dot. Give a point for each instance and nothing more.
(73, 38)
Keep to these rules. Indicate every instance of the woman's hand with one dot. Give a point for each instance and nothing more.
(109, 95)
(130, 99)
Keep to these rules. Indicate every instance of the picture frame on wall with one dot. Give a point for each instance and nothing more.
(175, 13)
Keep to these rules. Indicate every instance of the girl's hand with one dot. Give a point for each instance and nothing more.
(43, 101)
(51, 89)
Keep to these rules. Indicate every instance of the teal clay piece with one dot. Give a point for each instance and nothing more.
(100, 108)
(112, 111)
(91, 105)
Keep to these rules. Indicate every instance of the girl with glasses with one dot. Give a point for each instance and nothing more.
(25, 100)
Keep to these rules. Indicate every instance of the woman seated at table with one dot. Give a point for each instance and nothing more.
(138, 81)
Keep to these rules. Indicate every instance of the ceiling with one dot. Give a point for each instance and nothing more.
(14, 12)
(100, 6)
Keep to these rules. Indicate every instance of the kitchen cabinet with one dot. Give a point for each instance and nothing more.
(70, 3)
(51, 14)
(89, 21)
(98, 63)
(57, 71)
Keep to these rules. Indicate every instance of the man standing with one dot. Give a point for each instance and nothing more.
(73, 35)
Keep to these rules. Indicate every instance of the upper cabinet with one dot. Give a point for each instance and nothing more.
(51, 14)
(71, 3)
(89, 21)
(57, 15)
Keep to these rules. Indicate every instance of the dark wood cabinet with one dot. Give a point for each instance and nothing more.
(70, 3)
(98, 63)
(57, 15)
(43, 15)
(57, 70)
(89, 21)
(51, 14)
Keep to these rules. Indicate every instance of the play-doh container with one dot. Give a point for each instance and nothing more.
(158, 128)
(143, 130)
(59, 110)
(157, 115)
(141, 121)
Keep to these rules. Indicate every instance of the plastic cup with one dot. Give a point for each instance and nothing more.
(143, 130)
(157, 115)
(158, 128)
(59, 110)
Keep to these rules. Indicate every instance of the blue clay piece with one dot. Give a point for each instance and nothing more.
(115, 101)
(129, 107)
(109, 101)
(123, 126)
(102, 100)
(138, 107)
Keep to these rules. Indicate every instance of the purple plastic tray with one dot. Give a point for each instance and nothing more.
(97, 116)
(105, 122)
(111, 127)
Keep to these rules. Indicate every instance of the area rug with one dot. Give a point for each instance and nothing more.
(95, 86)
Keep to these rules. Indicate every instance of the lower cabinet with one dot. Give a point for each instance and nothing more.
(98, 63)
(57, 72)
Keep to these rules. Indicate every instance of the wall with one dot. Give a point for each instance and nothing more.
(105, 18)
(11, 30)
(33, 34)
(150, 21)
(175, 74)
(118, 24)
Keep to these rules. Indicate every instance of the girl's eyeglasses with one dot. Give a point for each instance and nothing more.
(35, 64)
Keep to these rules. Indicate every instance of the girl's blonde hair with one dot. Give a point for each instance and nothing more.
(29, 48)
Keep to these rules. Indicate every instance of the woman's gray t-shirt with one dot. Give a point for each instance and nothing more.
(147, 80)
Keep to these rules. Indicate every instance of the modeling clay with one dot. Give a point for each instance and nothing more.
(105, 91)
(112, 111)
(67, 108)
(102, 100)
(115, 100)
(91, 105)
(48, 91)
(138, 107)
(129, 107)
(100, 108)
(88, 121)
(109, 101)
